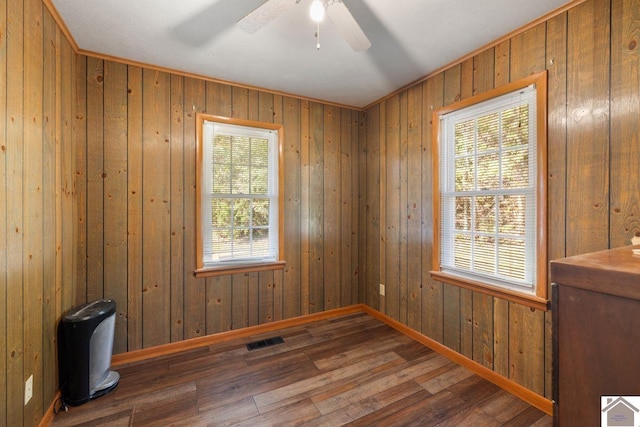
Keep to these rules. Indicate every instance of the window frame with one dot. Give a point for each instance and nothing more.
(239, 267)
(539, 299)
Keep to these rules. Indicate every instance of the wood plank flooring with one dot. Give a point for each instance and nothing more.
(352, 370)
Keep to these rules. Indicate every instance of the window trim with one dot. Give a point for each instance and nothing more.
(241, 267)
(540, 299)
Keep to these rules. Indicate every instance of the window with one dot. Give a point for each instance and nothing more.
(490, 204)
(239, 195)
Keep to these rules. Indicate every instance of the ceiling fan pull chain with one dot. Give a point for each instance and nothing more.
(318, 36)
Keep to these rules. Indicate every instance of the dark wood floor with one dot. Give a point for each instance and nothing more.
(352, 370)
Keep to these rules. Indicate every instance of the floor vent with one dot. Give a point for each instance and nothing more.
(264, 343)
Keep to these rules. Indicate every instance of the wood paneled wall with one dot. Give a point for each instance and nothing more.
(136, 205)
(37, 227)
(592, 56)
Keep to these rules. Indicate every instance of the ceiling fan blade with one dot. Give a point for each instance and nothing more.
(264, 14)
(348, 26)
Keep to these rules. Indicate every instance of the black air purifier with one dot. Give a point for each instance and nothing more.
(85, 343)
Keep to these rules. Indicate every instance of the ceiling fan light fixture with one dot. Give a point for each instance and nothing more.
(317, 11)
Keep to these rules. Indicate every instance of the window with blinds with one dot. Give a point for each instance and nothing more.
(488, 176)
(239, 194)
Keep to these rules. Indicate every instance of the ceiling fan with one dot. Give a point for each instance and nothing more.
(336, 10)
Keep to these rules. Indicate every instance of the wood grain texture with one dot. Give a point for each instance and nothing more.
(33, 210)
(432, 302)
(95, 181)
(349, 370)
(414, 206)
(292, 208)
(373, 207)
(584, 110)
(177, 214)
(625, 133)
(5, 196)
(115, 200)
(390, 199)
(15, 85)
(194, 289)
(134, 208)
(316, 208)
(588, 127)
(80, 139)
(156, 187)
(38, 248)
(330, 206)
(166, 302)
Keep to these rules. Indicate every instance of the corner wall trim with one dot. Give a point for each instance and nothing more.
(504, 383)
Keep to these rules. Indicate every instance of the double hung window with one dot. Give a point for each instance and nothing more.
(239, 194)
(491, 191)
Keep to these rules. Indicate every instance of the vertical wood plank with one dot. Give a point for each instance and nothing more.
(363, 207)
(466, 78)
(115, 196)
(625, 129)
(528, 52)
(356, 231)
(177, 208)
(588, 128)
(502, 52)
(218, 302)
(483, 75)
(253, 103)
(52, 208)
(156, 187)
(134, 208)
(346, 202)
(392, 202)
(33, 251)
(305, 214)
(253, 296)
(414, 206)
(316, 205)
(80, 138)
(403, 208)
(194, 289)
(331, 209)
(432, 296)
(5, 195)
(14, 350)
(239, 103)
(95, 180)
(66, 139)
(267, 106)
(218, 99)
(266, 296)
(373, 229)
(382, 188)
(526, 347)
(293, 185)
(240, 298)
(272, 110)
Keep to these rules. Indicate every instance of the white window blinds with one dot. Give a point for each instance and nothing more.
(239, 194)
(488, 191)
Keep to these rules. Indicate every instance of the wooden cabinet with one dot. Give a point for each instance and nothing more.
(596, 337)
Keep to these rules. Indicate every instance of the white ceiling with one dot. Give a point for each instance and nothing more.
(410, 39)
